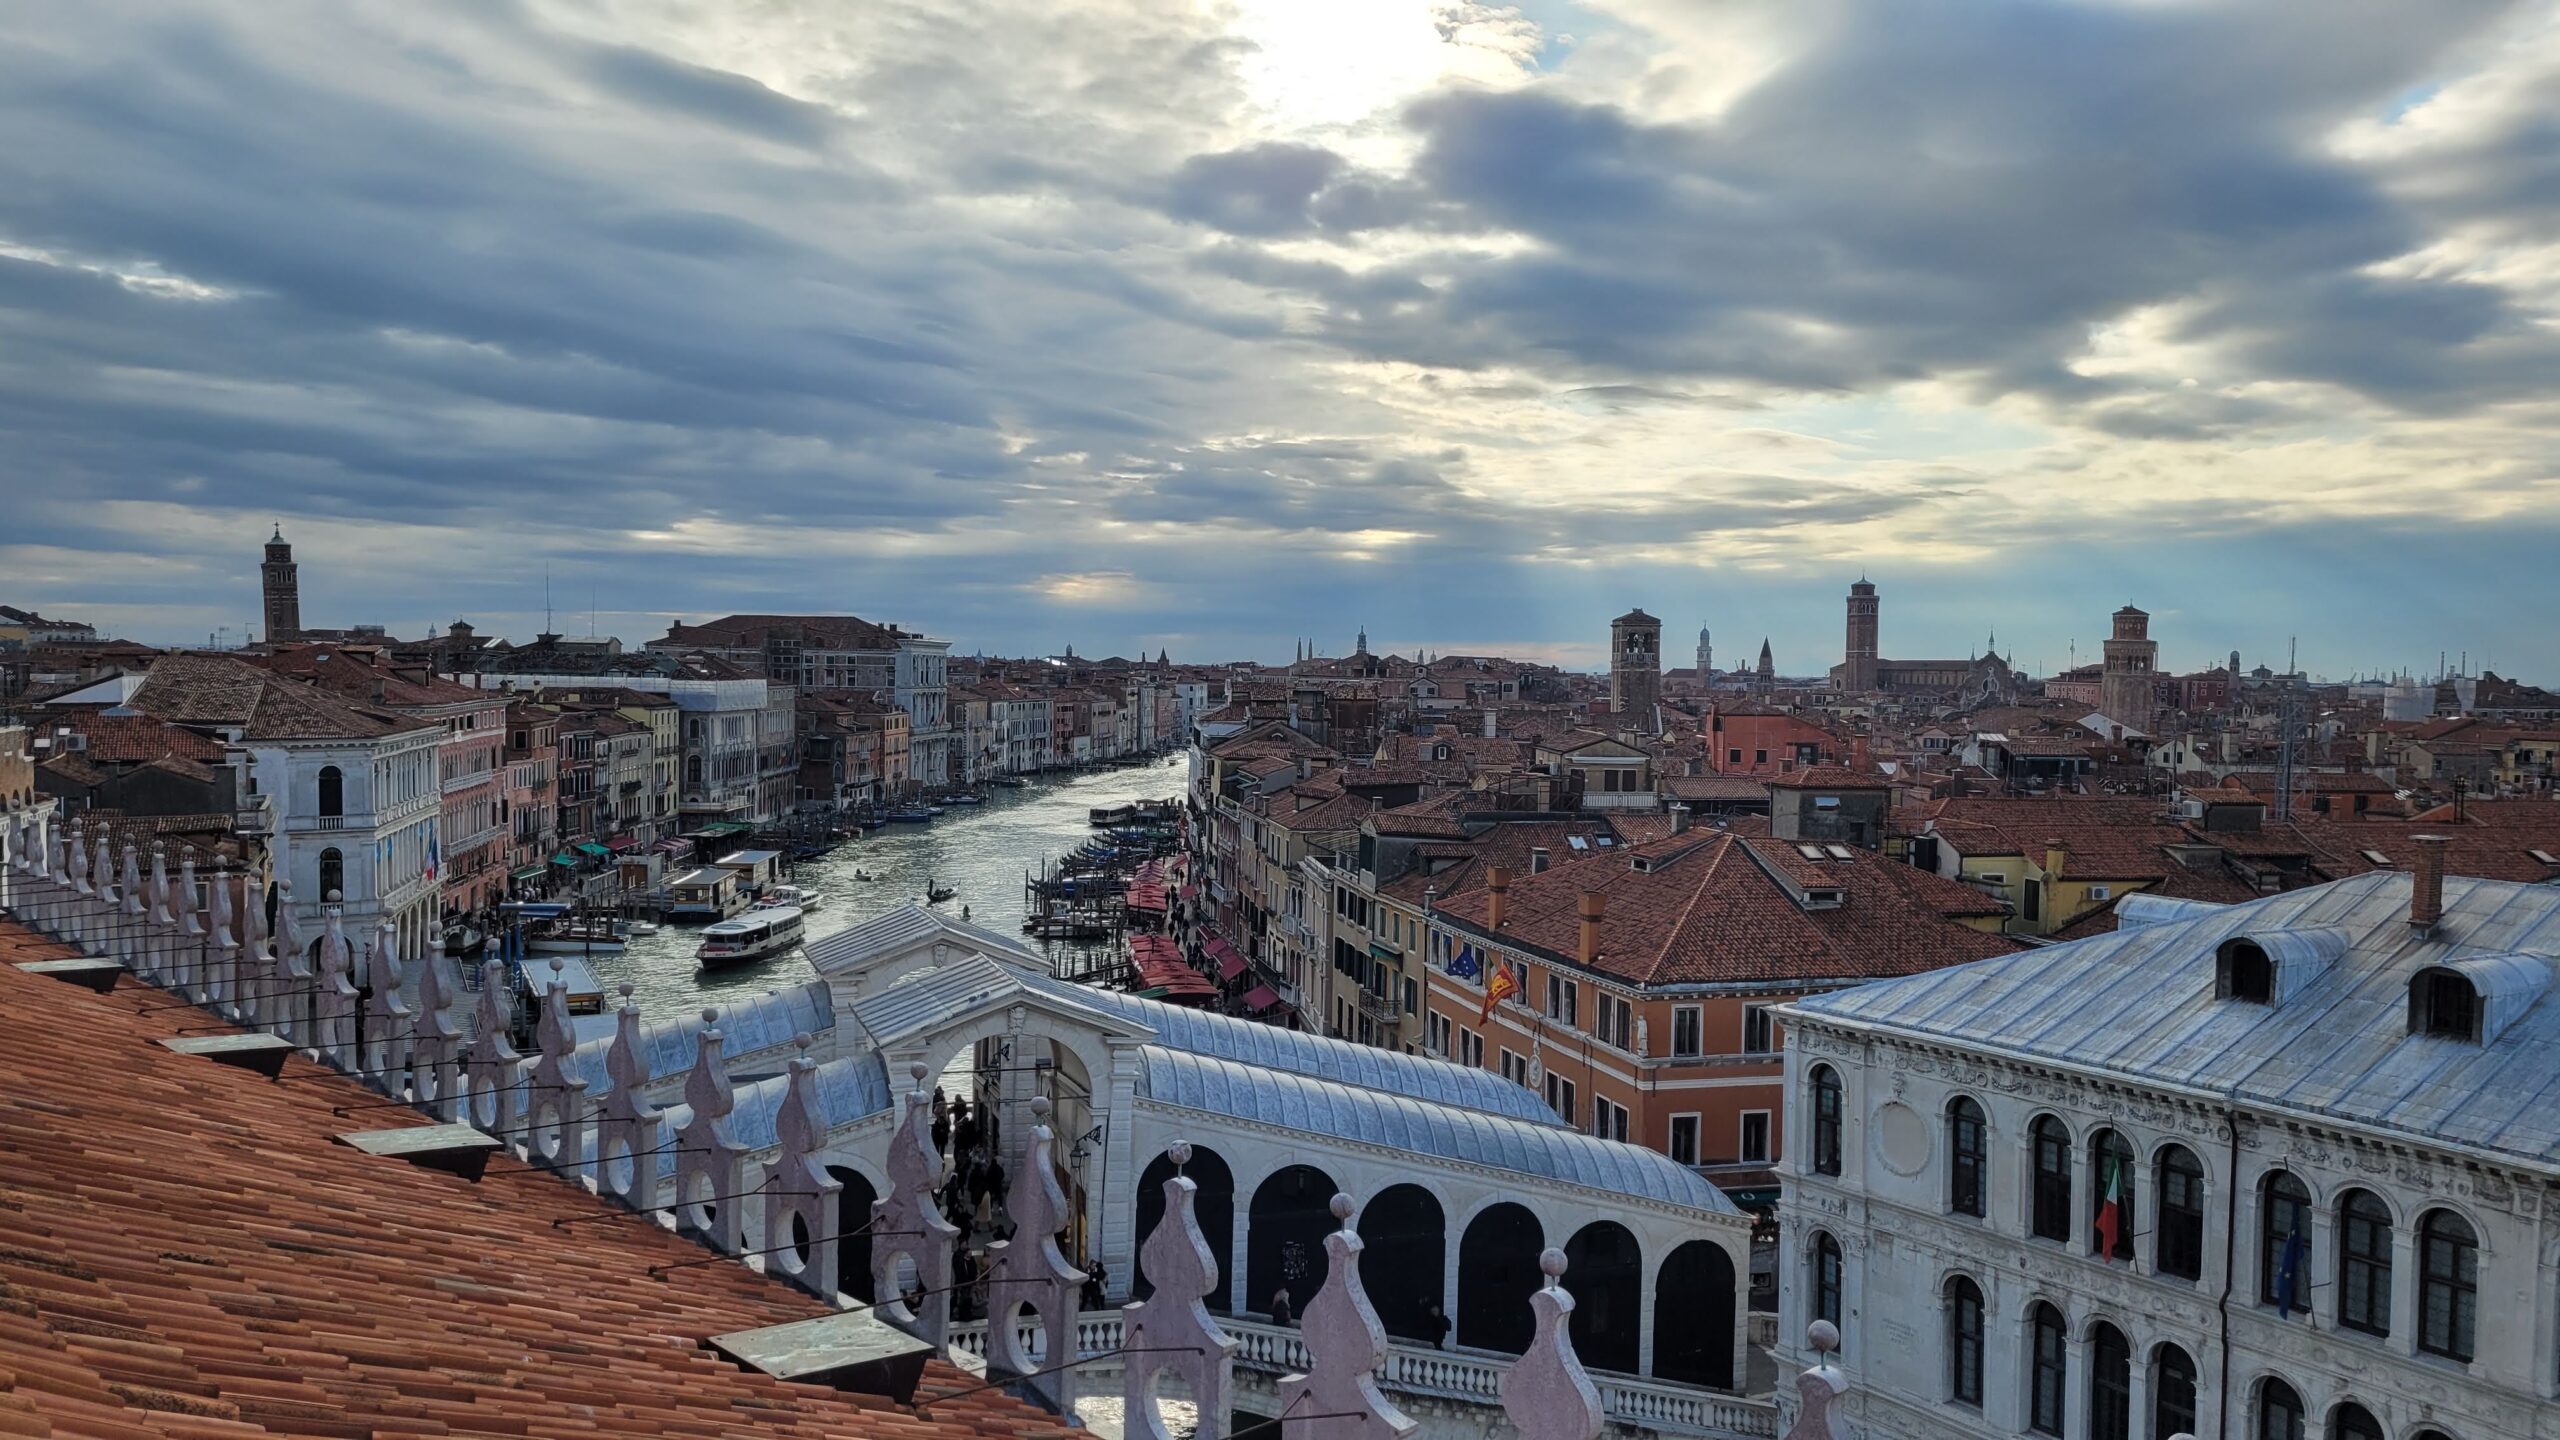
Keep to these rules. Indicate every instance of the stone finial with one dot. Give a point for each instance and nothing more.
(710, 1163)
(290, 996)
(186, 903)
(1817, 1417)
(1029, 1272)
(627, 1125)
(491, 1068)
(554, 1118)
(1171, 1330)
(907, 1225)
(223, 989)
(132, 913)
(435, 1043)
(258, 971)
(69, 865)
(387, 1021)
(797, 1185)
(1344, 1343)
(161, 919)
(1547, 1393)
(333, 1002)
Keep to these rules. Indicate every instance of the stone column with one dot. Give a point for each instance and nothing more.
(2075, 1382)
(2404, 1287)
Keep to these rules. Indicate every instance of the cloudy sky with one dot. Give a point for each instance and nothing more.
(1205, 326)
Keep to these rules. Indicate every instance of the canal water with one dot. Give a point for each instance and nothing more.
(981, 851)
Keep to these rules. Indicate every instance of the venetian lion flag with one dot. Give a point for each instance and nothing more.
(1501, 987)
(2111, 1211)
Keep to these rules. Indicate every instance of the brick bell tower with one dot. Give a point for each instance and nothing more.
(1858, 673)
(281, 581)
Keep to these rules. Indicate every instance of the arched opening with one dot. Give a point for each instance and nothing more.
(1213, 1204)
(2448, 1285)
(1826, 1120)
(1404, 1239)
(2178, 1232)
(1284, 1237)
(853, 1235)
(2243, 971)
(1605, 1267)
(2173, 1393)
(2279, 1414)
(1497, 1273)
(2364, 1263)
(2351, 1421)
(2049, 1190)
(2444, 1003)
(1964, 1341)
(333, 875)
(333, 792)
(2111, 1196)
(1693, 1304)
(2284, 1225)
(1967, 1154)
(2110, 1384)
(1822, 1264)
(2048, 1370)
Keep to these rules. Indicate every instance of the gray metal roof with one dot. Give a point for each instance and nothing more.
(1251, 1042)
(758, 1023)
(928, 999)
(2140, 1002)
(846, 949)
(1422, 1127)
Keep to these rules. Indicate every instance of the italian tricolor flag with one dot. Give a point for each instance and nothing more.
(2111, 1212)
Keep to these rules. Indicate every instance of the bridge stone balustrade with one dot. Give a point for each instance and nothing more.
(1266, 1352)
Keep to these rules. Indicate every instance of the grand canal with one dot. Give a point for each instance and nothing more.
(982, 851)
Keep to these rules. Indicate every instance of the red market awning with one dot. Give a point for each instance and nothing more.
(1261, 997)
(1230, 965)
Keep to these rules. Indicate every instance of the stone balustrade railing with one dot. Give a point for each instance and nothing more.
(1443, 1374)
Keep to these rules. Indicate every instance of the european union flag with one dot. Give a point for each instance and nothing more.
(2289, 1274)
(1464, 964)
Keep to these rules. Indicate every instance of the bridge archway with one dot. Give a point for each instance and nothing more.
(1215, 1205)
(1497, 1273)
(853, 1231)
(1404, 1238)
(1604, 1268)
(1693, 1316)
(1284, 1236)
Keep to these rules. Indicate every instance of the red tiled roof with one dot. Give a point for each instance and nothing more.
(186, 1253)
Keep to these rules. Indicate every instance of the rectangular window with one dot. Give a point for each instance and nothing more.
(1560, 1097)
(1608, 1119)
(1685, 1031)
(1756, 1030)
(1733, 757)
(1755, 1135)
(1515, 1068)
(1684, 1139)
(1759, 757)
(1471, 1049)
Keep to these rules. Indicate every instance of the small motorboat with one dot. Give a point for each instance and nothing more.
(964, 799)
(913, 815)
(757, 935)
(935, 894)
(637, 928)
(807, 902)
(1011, 782)
(864, 875)
(577, 935)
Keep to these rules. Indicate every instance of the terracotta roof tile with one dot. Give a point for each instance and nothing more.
(187, 1254)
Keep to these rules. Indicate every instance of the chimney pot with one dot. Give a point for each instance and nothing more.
(1591, 903)
(1858, 754)
(2426, 884)
(1497, 884)
(2055, 858)
(1679, 818)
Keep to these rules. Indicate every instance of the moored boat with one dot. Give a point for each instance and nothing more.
(807, 902)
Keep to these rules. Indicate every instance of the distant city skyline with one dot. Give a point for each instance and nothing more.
(1139, 327)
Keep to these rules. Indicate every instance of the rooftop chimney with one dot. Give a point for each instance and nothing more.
(1537, 859)
(1489, 719)
(1679, 818)
(1587, 949)
(1858, 754)
(1497, 884)
(2055, 858)
(2426, 885)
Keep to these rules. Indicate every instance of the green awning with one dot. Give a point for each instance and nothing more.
(589, 847)
(1386, 952)
(564, 858)
(1754, 1198)
(530, 872)
(1152, 992)
(725, 827)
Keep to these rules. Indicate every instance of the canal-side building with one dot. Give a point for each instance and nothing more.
(725, 718)
(841, 652)
(2263, 1170)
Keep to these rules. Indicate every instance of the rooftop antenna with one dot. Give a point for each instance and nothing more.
(2284, 744)
(546, 598)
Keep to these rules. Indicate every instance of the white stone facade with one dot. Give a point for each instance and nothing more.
(1902, 1245)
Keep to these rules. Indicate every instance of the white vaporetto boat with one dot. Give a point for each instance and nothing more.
(760, 934)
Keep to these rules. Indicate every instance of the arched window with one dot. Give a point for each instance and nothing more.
(1964, 1341)
(2364, 1263)
(2443, 1003)
(2110, 1196)
(333, 874)
(2279, 1412)
(2351, 1421)
(2048, 1371)
(333, 792)
(2284, 1246)
(1967, 1151)
(2173, 1394)
(2448, 1285)
(1826, 1120)
(2110, 1384)
(2050, 1193)
(1826, 1280)
(2178, 1245)
(2242, 971)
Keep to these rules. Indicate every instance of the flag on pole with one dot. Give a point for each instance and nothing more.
(2289, 1273)
(1501, 987)
(1463, 963)
(2111, 1211)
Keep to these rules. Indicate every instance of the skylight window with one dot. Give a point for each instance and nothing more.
(1576, 842)
(2378, 858)
(1839, 852)
(1810, 852)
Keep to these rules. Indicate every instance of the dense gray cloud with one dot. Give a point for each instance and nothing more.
(928, 311)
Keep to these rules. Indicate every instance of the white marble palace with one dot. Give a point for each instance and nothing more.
(2282, 1169)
